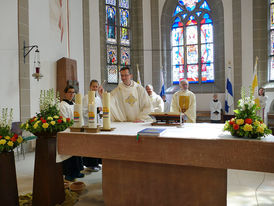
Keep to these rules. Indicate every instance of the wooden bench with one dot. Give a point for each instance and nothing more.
(202, 116)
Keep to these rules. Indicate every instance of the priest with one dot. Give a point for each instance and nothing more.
(155, 99)
(190, 113)
(129, 101)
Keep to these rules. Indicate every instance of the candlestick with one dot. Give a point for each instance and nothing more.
(106, 110)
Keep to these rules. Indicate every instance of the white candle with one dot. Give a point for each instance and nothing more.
(78, 99)
(91, 97)
(106, 110)
(92, 114)
(77, 117)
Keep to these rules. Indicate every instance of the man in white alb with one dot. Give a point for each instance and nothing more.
(129, 101)
(191, 111)
(215, 110)
(155, 99)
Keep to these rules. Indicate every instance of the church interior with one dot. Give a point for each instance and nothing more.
(49, 44)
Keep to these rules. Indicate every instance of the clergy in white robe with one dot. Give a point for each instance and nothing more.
(263, 100)
(215, 109)
(129, 101)
(191, 111)
(155, 99)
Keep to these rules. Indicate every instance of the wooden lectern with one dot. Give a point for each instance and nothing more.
(66, 74)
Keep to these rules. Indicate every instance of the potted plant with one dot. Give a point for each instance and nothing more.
(48, 184)
(8, 141)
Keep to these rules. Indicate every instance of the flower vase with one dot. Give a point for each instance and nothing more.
(8, 182)
(48, 183)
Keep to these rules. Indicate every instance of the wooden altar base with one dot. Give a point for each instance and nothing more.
(48, 183)
(8, 182)
(137, 183)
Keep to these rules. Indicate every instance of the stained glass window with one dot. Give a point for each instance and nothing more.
(192, 42)
(117, 28)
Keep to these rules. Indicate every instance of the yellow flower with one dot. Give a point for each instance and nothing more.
(20, 139)
(256, 123)
(10, 143)
(27, 126)
(35, 119)
(240, 121)
(38, 122)
(55, 117)
(45, 125)
(52, 122)
(7, 137)
(263, 125)
(50, 118)
(35, 125)
(247, 127)
(64, 119)
(3, 141)
(260, 129)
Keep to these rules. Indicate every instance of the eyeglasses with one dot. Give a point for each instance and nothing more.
(70, 92)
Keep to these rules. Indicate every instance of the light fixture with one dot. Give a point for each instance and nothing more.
(36, 67)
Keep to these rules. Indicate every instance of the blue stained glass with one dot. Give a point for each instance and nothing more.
(206, 53)
(189, 4)
(206, 19)
(205, 6)
(124, 35)
(124, 18)
(178, 55)
(207, 73)
(124, 4)
(177, 23)
(192, 54)
(125, 56)
(111, 54)
(177, 36)
(206, 33)
(198, 13)
(184, 16)
(191, 21)
(177, 10)
(177, 73)
(112, 2)
(192, 73)
(111, 34)
(110, 15)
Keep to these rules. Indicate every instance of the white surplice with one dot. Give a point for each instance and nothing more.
(156, 102)
(215, 107)
(129, 103)
(191, 112)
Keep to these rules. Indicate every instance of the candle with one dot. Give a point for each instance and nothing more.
(91, 97)
(77, 115)
(106, 110)
(78, 99)
(92, 114)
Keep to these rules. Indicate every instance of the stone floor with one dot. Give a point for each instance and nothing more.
(245, 188)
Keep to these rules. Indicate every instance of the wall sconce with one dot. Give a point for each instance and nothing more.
(36, 68)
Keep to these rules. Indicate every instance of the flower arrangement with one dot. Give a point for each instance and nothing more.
(48, 121)
(246, 123)
(8, 140)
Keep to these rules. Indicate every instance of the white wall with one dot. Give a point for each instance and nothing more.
(44, 32)
(95, 64)
(147, 42)
(247, 42)
(76, 39)
(9, 69)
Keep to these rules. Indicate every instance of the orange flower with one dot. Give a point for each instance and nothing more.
(236, 126)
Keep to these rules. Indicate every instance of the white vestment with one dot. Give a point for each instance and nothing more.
(215, 106)
(166, 106)
(129, 103)
(98, 103)
(191, 112)
(66, 111)
(156, 102)
(263, 100)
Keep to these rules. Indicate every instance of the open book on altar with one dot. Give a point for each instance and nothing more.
(151, 132)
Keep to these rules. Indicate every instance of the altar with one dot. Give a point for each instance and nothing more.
(185, 166)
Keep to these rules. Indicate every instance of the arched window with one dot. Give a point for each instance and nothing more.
(271, 52)
(117, 37)
(192, 42)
